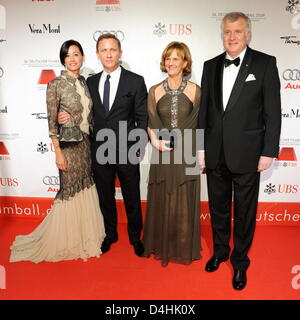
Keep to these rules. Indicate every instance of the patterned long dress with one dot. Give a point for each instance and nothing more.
(74, 228)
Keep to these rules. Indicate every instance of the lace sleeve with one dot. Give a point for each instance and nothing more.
(52, 109)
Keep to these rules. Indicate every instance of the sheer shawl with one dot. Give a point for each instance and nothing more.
(174, 173)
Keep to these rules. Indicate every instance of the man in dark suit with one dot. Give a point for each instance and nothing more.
(118, 95)
(241, 116)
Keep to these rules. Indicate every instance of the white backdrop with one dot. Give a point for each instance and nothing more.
(31, 33)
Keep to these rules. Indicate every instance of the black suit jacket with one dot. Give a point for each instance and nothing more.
(250, 125)
(130, 105)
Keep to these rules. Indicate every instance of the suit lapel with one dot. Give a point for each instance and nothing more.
(240, 80)
(218, 81)
(98, 105)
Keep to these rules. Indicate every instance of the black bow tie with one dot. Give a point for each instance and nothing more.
(228, 62)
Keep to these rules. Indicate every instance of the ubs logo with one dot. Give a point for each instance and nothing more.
(293, 7)
(270, 188)
(281, 188)
(9, 182)
(172, 29)
(160, 29)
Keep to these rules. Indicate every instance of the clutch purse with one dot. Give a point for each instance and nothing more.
(168, 135)
(69, 132)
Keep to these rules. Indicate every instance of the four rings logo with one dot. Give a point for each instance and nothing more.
(118, 33)
(1, 72)
(51, 180)
(291, 75)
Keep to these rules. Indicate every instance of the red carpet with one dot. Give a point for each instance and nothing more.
(119, 274)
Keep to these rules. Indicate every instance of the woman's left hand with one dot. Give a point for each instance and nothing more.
(161, 145)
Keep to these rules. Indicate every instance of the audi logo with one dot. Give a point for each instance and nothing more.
(1, 72)
(51, 181)
(118, 33)
(291, 74)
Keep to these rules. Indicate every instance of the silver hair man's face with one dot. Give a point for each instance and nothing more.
(236, 36)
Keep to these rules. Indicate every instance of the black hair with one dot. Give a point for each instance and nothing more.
(64, 49)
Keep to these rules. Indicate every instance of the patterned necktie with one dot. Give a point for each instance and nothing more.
(106, 94)
(228, 62)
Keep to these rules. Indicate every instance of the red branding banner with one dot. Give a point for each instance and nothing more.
(3, 149)
(268, 213)
(107, 2)
(46, 76)
(287, 154)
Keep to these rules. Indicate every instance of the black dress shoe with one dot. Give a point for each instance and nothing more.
(106, 244)
(138, 248)
(239, 280)
(213, 263)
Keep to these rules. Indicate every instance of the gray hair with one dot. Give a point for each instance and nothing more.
(234, 16)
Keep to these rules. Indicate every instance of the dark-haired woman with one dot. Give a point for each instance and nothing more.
(74, 228)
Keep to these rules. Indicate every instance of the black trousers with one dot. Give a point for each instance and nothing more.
(129, 177)
(222, 184)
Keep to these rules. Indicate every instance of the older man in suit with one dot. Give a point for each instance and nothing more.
(241, 117)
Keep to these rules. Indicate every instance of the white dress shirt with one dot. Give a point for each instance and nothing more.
(114, 82)
(229, 76)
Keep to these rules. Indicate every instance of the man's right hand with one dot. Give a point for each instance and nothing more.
(63, 117)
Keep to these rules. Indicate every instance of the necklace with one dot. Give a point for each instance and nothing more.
(174, 100)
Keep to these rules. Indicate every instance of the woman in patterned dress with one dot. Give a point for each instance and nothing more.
(172, 224)
(74, 228)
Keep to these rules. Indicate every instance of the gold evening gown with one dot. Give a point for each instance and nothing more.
(74, 228)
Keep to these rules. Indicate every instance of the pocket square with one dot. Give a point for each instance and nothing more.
(251, 77)
(127, 95)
